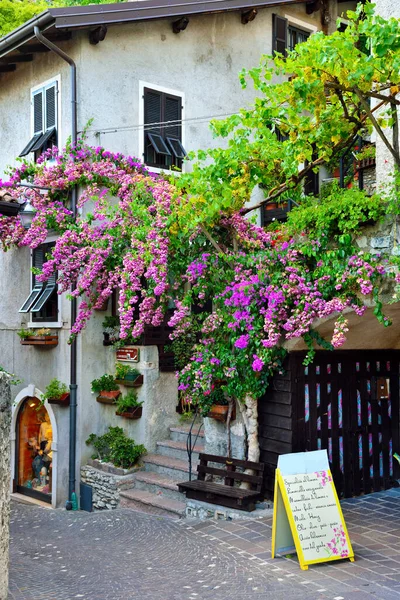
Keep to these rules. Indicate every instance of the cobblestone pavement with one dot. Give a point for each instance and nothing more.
(118, 555)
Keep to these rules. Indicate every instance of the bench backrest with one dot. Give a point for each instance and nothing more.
(229, 472)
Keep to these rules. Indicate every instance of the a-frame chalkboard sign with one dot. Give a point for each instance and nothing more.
(308, 518)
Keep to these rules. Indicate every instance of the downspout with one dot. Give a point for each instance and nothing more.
(73, 355)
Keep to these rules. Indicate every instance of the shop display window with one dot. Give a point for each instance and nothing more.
(34, 450)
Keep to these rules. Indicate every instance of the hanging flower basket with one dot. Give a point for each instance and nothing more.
(40, 340)
(108, 397)
(219, 412)
(102, 306)
(132, 413)
(62, 401)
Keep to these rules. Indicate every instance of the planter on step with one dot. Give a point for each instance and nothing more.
(132, 413)
(62, 401)
(131, 381)
(40, 340)
(219, 412)
(108, 397)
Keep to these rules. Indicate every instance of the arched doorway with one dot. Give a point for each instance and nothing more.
(33, 450)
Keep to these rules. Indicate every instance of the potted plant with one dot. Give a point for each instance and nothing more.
(216, 406)
(56, 393)
(127, 376)
(107, 389)
(111, 327)
(37, 337)
(128, 406)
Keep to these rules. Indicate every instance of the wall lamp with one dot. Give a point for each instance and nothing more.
(9, 207)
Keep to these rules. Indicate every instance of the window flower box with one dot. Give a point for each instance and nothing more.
(219, 412)
(62, 401)
(131, 380)
(40, 340)
(131, 413)
(108, 397)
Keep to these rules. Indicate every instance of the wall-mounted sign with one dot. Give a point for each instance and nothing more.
(308, 518)
(128, 354)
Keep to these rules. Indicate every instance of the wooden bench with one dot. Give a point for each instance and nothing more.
(225, 493)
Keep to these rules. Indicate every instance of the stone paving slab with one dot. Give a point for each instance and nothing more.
(122, 554)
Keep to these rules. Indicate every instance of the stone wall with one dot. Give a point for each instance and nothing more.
(107, 481)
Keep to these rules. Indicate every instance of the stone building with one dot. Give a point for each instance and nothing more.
(136, 63)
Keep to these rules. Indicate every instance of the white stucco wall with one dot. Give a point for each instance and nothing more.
(202, 62)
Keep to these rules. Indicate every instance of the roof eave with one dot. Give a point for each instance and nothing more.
(12, 41)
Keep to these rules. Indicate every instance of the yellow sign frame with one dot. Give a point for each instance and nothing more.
(280, 488)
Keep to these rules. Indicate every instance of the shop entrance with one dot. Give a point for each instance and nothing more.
(33, 460)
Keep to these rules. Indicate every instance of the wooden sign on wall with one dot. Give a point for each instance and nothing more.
(308, 518)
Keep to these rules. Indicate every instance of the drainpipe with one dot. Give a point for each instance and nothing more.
(73, 356)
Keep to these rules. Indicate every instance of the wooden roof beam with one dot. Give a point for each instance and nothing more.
(7, 68)
(19, 58)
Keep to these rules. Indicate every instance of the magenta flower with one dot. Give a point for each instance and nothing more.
(242, 341)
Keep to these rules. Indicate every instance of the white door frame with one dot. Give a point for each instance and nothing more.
(32, 392)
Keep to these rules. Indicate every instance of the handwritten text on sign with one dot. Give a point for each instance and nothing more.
(316, 515)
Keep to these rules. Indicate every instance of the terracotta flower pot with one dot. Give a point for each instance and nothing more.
(62, 401)
(132, 413)
(108, 397)
(219, 412)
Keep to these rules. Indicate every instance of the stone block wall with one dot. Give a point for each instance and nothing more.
(107, 481)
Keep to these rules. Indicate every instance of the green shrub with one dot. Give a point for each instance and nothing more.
(114, 446)
(105, 383)
(342, 211)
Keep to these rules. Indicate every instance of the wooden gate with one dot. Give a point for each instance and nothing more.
(348, 404)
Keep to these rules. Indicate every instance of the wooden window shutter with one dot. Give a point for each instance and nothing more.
(51, 106)
(152, 110)
(38, 112)
(173, 112)
(38, 286)
(279, 34)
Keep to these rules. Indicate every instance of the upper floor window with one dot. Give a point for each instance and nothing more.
(286, 36)
(296, 36)
(44, 118)
(42, 302)
(162, 129)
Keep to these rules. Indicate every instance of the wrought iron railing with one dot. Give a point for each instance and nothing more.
(189, 445)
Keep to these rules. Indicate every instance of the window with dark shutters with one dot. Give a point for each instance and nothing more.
(284, 36)
(44, 107)
(162, 130)
(42, 302)
(279, 34)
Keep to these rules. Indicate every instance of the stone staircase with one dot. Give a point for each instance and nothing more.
(155, 489)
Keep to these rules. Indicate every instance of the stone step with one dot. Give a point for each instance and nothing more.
(181, 432)
(157, 484)
(153, 504)
(178, 450)
(177, 470)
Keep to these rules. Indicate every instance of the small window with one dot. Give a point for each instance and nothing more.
(286, 36)
(42, 302)
(44, 117)
(163, 130)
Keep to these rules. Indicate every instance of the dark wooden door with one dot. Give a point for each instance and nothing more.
(348, 404)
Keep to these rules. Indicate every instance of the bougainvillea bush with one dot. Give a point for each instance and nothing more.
(266, 287)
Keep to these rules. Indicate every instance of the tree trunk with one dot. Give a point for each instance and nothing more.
(249, 410)
(228, 427)
(5, 424)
